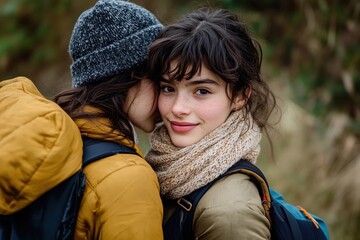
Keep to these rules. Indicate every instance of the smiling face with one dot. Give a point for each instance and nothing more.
(193, 108)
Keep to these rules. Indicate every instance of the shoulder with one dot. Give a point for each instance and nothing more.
(118, 167)
(40, 144)
(121, 197)
(231, 207)
(235, 191)
(233, 188)
(120, 180)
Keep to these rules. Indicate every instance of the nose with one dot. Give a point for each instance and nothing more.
(181, 106)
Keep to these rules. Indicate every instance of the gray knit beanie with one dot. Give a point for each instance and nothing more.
(111, 37)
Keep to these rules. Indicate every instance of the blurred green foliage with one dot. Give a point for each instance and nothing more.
(317, 42)
(313, 43)
(27, 25)
(34, 33)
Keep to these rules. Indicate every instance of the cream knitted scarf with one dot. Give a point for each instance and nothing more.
(183, 170)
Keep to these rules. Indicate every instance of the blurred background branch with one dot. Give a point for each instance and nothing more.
(311, 59)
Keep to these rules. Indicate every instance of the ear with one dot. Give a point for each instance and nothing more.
(240, 100)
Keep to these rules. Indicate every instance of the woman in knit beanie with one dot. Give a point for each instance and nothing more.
(110, 96)
(214, 105)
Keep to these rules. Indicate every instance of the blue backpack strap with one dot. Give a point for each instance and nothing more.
(95, 149)
(189, 202)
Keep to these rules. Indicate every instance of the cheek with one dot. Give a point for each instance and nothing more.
(163, 105)
(214, 114)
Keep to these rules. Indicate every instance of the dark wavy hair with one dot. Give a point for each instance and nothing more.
(217, 39)
(108, 95)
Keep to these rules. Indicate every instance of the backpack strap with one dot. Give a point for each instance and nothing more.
(190, 201)
(259, 180)
(95, 149)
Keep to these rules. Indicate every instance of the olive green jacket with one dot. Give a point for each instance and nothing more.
(230, 209)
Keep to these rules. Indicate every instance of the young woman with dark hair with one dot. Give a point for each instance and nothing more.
(214, 105)
(111, 95)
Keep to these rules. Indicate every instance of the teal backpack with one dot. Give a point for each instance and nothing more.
(288, 222)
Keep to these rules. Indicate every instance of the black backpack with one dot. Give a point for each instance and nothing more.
(287, 221)
(53, 215)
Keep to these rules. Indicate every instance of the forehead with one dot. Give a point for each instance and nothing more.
(178, 71)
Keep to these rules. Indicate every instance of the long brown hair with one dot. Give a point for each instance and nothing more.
(107, 95)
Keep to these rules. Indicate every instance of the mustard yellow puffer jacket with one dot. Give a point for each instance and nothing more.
(122, 194)
(41, 146)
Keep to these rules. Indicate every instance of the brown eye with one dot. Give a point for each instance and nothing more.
(202, 91)
(167, 89)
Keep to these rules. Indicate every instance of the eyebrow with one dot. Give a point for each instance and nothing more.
(205, 80)
(195, 82)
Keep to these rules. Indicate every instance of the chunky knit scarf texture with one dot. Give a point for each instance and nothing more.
(183, 170)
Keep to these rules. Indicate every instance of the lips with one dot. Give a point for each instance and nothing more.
(182, 127)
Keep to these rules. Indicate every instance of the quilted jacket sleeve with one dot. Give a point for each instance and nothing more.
(122, 201)
(40, 145)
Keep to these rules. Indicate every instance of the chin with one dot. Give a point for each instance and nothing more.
(181, 143)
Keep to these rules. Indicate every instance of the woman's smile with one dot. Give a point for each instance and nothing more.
(182, 127)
